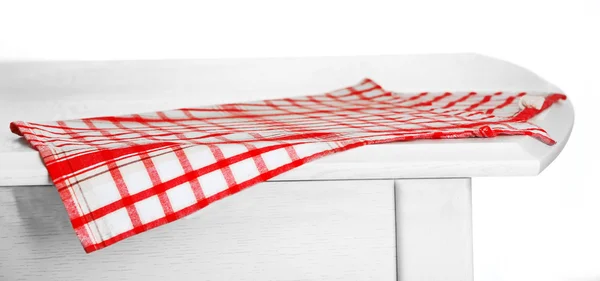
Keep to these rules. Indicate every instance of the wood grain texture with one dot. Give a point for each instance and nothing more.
(319, 230)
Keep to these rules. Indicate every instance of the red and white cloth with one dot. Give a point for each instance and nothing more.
(122, 175)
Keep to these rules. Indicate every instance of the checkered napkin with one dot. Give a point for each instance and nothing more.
(119, 176)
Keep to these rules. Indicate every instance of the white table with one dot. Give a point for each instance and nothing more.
(399, 211)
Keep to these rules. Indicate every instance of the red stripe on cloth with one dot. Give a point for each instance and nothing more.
(461, 99)
(118, 179)
(187, 168)
(164, 186)
(484, 100)
(436, 99)
(508, 101)
(530, 112)
(191, 157)
(66, 190)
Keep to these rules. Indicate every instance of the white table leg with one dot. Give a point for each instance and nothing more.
(434, 233)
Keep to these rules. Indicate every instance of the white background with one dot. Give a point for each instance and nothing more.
(538, 228)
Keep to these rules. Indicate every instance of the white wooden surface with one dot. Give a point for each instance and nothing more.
(307, 229)
(38, 91)
(330, 230)
(434, 229)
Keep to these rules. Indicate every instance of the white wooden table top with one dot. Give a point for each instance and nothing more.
(42, 91)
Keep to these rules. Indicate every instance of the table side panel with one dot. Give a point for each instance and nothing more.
(318, 230)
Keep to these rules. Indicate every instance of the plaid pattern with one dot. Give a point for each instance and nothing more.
(119, 176)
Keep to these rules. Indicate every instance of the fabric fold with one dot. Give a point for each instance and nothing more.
(119, 176)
